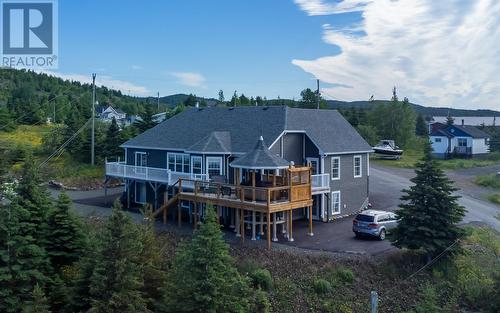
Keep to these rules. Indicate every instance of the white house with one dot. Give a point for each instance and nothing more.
(454, 140)
(110, 112)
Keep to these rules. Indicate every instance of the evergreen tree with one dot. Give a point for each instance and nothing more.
(117, 280)
(450, 120)
(153, 262)
(221, 96)
(190, 100)
(113, 140)
(420, 126)
(147, 121)
(23, 262)
(235, 100)
(32, 196)
(6, 121)
(38, 304)
(203, 277)
(65, 239)
(430, 213)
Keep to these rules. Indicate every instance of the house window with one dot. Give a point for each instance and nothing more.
(178, 162)
(462, 142)
(335, 209)
(335, 168)
(357, 166)
(196, 164)
(214, 166)
(437, 139)
(141, 159)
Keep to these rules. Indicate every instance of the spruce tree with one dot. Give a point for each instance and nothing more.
(153, 262)
(23, 262)
(6, 121)
(429, 213)
(420, 126)
(65, 238)
(203, 277)
(113, 140)
(116, 281)
(38, 304)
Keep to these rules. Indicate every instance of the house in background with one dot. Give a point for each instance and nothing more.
(106, 114)
(306, 163)
(458, 141)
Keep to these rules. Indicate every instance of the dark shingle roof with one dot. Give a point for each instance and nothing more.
(473, 131)
(260, 158)
(234, 129)
(447, 130)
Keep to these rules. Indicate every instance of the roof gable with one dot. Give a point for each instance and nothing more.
(233, 130)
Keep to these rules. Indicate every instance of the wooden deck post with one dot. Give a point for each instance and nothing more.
(242, 225)
(253, 225)
(179, 213)
(165, 201)
(253, 185)
(261, 232)
(290, 231)
(268, 230)
(275, 238)
(238, 224)
(310, 222)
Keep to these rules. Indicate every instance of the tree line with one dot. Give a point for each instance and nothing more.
(51, 260)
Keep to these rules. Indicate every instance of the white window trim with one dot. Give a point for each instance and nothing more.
(212, 159)
(200, 158)
(183, 155)
(340, 202)
(331, 168)
(360, 166)
(137, 153)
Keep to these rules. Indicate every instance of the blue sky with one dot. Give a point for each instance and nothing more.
(246, 46)
(438, 53)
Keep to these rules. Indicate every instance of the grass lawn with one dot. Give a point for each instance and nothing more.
(25, 135)
(411, 157)
(72, 173)
(492, 181)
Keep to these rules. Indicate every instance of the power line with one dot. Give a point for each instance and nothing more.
(67, 142)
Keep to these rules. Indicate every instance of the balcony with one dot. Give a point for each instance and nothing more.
(320, 183)
(161, 175)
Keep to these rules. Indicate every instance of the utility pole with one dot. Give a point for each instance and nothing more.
(317, 98)
(93, 121)
(158, 102)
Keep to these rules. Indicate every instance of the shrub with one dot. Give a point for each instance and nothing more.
(335, 307)
(345, 275)
(262, 278)
(322, 286)
(261, 302)
(429, 302)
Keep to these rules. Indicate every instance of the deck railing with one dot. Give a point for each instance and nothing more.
(320, 182)
(122, 170)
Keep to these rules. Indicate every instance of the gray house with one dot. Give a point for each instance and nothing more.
(199, 146)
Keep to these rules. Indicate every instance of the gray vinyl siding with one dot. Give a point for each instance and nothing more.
(293, 147)
(353, 191)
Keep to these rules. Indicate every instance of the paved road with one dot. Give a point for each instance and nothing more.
(385, 190)
(386, 185)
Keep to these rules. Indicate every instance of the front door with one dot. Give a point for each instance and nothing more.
(313, 163)
(214, 166)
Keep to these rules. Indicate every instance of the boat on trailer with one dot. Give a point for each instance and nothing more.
(388, 148)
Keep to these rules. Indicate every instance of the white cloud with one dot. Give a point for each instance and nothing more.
(102, 80)
(321, 7)
(190, 79)
(438, 53)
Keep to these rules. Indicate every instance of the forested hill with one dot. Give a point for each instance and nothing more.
(420, 109)
(32, 97)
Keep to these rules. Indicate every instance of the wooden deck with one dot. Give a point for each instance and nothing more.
(265, 201)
